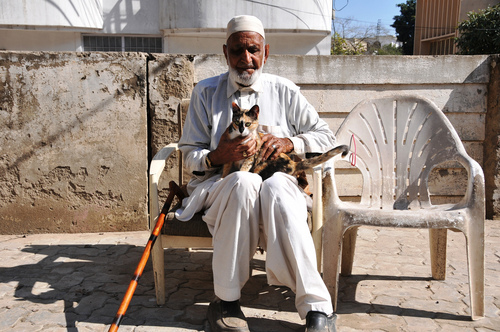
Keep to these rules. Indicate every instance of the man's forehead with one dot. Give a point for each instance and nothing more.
(245, 37)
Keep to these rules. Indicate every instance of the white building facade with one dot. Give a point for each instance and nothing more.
(300, 27)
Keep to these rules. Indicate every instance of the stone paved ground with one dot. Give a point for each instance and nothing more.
(75, 282)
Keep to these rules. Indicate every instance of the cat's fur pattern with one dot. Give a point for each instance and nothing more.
(245, 123)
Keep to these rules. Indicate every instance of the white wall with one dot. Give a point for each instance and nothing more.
(54, 13)
(195, 26)
(292, 26)
(275, 14)
(131, 17)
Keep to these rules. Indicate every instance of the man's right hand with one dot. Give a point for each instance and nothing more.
(230, 150)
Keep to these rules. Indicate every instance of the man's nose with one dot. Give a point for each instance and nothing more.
(246, 56)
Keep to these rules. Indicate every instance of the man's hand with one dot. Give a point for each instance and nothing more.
(230, 150)
(273, 146)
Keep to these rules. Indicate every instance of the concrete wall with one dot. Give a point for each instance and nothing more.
(35, 40)
(73, 142)
(77, 129)
(334, 85)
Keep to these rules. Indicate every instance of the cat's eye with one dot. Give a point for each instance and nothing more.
(248, 124)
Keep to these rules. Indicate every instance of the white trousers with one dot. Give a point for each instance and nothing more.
(239, 209)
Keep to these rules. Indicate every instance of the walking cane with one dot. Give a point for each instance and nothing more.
(174, 191)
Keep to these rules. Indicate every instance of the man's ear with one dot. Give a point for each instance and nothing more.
(224, 49)
(266, 52)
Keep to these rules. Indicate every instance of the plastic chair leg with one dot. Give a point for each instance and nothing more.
(332, 247)
(437, 242)
(475, 259)
(349, 244)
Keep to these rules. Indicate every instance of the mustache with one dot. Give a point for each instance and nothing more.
(244, 78)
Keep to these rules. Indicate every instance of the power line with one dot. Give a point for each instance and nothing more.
(334, 6)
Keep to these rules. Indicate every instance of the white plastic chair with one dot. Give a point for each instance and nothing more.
(194, 233)
(399, 141)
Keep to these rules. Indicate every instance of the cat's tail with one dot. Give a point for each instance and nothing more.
(314, 161)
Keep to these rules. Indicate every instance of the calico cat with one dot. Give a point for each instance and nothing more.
(245, 123)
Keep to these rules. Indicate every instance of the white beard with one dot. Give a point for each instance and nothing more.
(244, 78)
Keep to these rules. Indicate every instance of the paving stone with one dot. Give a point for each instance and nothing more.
(452, 328)
(418, 324)
(67, 282)
(26, 326)
(182, 298)
(90, 303)
(180, 327)
(71, 279)
(8, 318)
(91, 327)
(387, 268)
(136, 314)
(368, 322)
(47, 318)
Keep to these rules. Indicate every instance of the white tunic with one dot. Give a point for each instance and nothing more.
(240, 208)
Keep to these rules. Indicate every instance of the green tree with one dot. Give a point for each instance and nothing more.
(480, 34)
(390, 50)
(405, 25)
(340, 46)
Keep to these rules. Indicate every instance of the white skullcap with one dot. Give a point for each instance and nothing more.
(245, 23)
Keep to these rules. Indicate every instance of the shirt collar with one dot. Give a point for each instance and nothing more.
(232, 87)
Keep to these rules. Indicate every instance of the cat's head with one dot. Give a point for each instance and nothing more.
(245, 121)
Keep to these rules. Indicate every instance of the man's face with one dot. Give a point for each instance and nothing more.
(246, 54)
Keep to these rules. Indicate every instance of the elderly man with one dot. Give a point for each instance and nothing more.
(241, 210)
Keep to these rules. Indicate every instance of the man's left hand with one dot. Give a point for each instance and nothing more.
(273, 146)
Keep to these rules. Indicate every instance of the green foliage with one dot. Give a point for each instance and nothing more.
(340, 46)
(405, 25)
(390, 50)
(480, 34)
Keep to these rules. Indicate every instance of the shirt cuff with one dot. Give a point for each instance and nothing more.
(298, 146)
(204, 165)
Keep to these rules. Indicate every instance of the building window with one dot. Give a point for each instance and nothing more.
(122, 44)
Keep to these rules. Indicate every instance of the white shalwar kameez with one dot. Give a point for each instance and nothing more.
(241, 209)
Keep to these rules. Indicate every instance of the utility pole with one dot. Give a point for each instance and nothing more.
(379, 28)
(333, 21)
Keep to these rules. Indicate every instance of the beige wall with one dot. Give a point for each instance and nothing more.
(436, 22)
(467, 6)
(77, 129)
(73, 142)
(335, 84)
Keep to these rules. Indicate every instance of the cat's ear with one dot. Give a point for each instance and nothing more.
(255, 109)
(236, 108)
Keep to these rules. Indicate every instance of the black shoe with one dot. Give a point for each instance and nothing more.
(320, 322)
(226, 316)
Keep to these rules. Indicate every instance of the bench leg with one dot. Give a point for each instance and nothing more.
(158, 259)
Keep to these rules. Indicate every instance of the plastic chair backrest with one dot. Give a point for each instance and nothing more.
(399, 141)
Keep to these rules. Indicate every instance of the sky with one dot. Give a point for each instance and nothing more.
(368, 12)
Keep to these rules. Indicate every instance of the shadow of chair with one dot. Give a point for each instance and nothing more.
(400, 140)
(194, 233)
